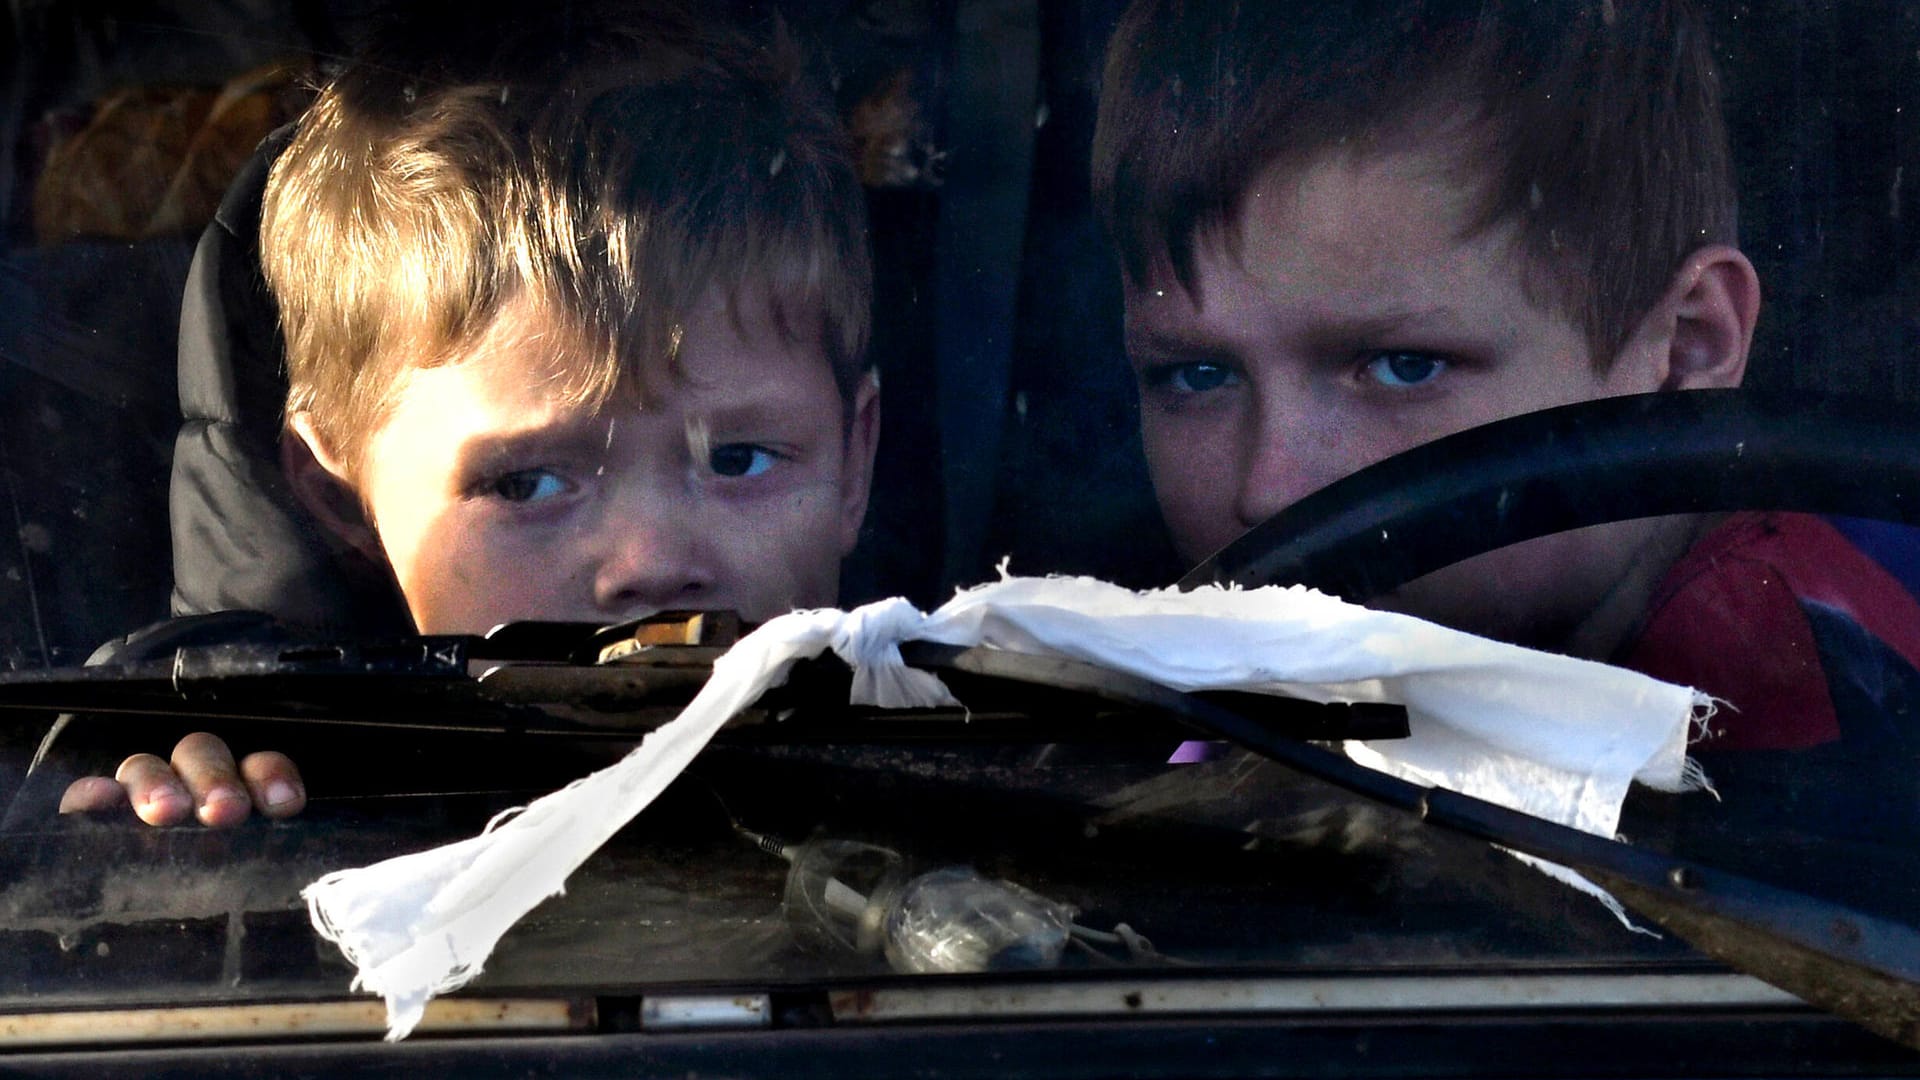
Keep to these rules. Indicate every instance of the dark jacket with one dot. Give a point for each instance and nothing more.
(240, 538)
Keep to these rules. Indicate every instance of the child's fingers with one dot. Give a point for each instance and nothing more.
(201, 775)
(157, 794)
(206, 766)
(278, 791)
(93, 795)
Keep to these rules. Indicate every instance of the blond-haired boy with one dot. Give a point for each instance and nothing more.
(575, 309)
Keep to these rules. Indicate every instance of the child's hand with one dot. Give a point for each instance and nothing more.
(201, 780)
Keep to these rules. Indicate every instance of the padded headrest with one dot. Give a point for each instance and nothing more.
(240, 538)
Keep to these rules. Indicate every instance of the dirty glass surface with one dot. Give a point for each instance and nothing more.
(1011, 430)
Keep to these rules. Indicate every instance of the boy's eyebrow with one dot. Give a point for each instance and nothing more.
(750, 413)
(1332, 332)
(1160, 342)
(488, 449)
(592, 438)
(748, 405)
(1381, 326)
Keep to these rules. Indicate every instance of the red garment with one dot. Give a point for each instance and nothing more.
(1727, 619)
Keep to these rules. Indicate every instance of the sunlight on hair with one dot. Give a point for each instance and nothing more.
(700, 444)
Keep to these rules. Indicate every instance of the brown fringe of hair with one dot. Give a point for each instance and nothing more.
(1595, 124)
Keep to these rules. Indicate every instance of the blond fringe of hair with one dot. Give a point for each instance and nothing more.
(608, 180)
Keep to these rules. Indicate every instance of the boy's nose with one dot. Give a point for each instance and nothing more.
(1277, 465)
(653, 565)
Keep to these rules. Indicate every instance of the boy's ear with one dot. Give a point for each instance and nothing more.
(320, 483)
(863, 438)
(1698, 335)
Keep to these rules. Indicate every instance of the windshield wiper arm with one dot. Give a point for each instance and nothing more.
(1858, 966)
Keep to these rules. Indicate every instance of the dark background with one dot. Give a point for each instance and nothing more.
(1009, 415)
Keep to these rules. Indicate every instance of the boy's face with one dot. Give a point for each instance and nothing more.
(1352, 323)
(740, 485)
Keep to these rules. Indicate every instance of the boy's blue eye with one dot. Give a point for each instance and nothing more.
(741, 459)
(1404, 369)
(529, 486)
(1198, 377)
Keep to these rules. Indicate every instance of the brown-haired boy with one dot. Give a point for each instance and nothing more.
(575, 309)
(1350, 228)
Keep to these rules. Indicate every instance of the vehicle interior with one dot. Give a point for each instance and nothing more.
(1271, 910)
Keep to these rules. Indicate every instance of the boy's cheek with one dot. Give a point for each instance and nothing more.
(445, 593)
(782, 558)
(1196, 490)
(468, 578)
(1216, 477)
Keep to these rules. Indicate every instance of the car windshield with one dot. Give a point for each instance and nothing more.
(1090, 363)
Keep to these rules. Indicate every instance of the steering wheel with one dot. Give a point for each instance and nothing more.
(1642, 455)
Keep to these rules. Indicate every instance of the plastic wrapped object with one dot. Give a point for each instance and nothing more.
(847, 896)
(838, 892)
(956, 920)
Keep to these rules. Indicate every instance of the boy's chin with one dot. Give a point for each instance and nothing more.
(1580, 592)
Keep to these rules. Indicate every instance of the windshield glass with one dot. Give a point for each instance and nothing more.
(538, 325)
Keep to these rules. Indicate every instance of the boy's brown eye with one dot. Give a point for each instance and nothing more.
(528, 485)
(741, 459)
(1404, 369)
(1197, 377)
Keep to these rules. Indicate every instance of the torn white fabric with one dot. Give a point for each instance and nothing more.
(1553, 736)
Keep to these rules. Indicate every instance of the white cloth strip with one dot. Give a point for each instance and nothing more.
(1552, 736)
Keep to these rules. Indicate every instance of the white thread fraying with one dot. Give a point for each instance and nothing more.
(1699, 729)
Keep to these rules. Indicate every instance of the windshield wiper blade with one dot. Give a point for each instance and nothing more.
(1854, 965)
(571, 679)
